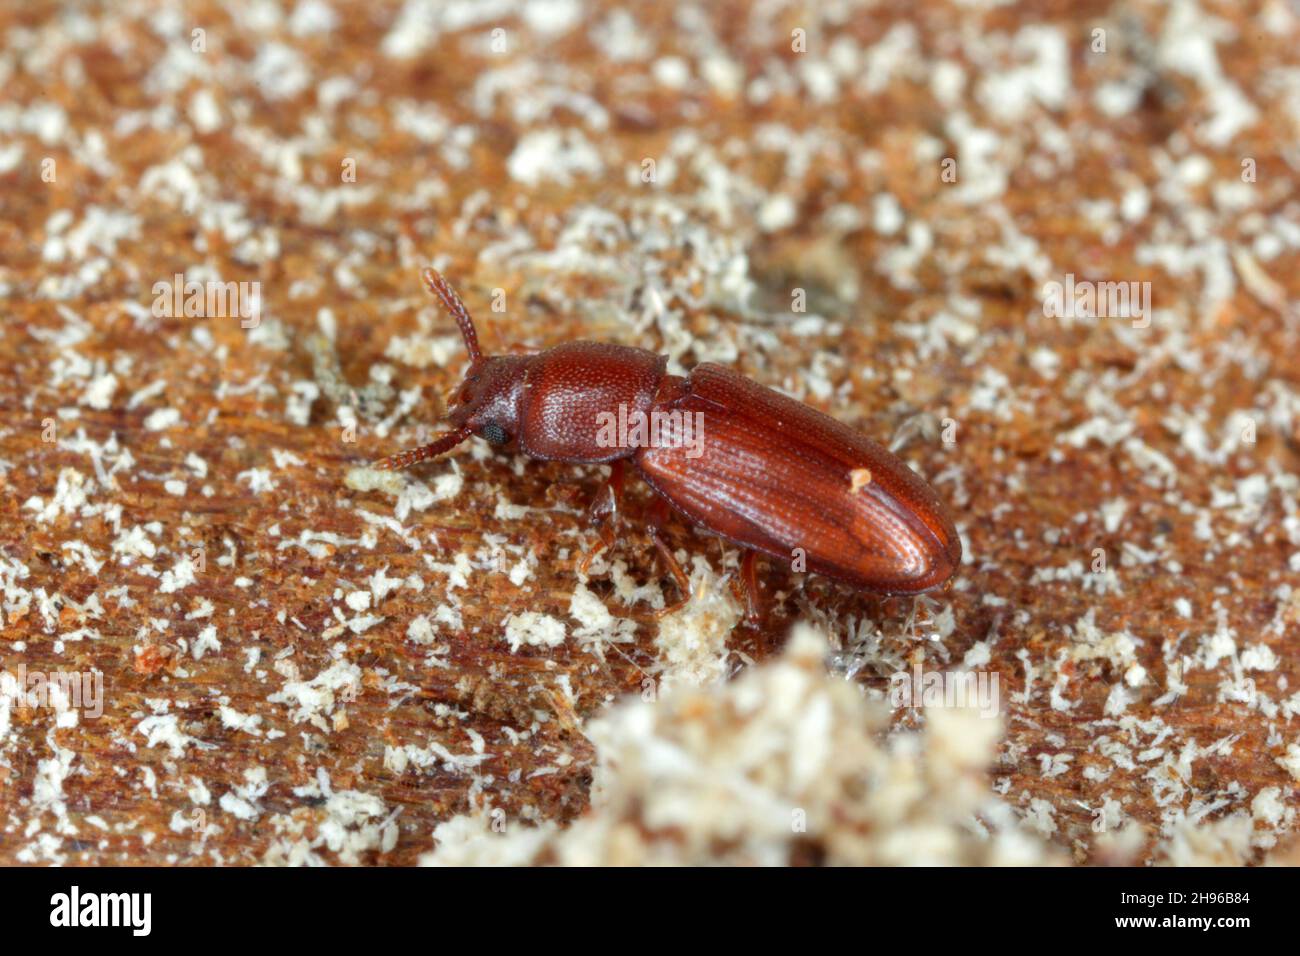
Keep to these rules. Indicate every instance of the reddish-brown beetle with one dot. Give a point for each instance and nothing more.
(742, 461)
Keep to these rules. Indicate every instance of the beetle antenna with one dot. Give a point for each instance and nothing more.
(451, 302)
(405, 459)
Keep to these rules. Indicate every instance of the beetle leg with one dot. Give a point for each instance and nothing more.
(604, 511)
(658, 514)
(745, 587)
(675, 568)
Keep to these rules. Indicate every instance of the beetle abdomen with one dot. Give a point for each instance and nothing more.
(571, 391)
(782, 478)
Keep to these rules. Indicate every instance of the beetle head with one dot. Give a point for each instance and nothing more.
(487, 402)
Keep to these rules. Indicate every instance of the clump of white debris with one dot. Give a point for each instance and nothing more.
(786, 764)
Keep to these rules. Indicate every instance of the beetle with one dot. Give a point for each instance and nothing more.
(740, 460)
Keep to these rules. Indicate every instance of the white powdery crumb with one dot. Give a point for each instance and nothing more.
(1219, 646)
(259, 480)
(71, 495)
(1291, 761)
(533, 629)
(470, 841)
(411, 494)
(1258, 657)
(1041, 817)
(421, 630)
(508, 510)
(348, 830)
(1267, 807)
(671, 71)
(596, 625)
(47, 789)
(204, 112)
(134, 541)
(458, 571)
(233, 719)
(242, 802)
(162, 730)
(10, 156)
(553, 155)
(365, 478)
(979, 654)
(312, 18)
(180, 576)
(162, 419)
(1045, 78)
(777, 212)
(589, 610)
(100, 230)
(1188, 47)
(1112, 514)
(1117, 701)
(748, 772)
(313, 700)
(552, 17)
(421, 351)
(414, 30)
(692, 642)
(279, 72)
(1223, 842)
(1118, 648)
(205, 642)
(397, 759)
(99, 393)
(349, 824)
(286, 459)
(887, 215)
(381, 585)
(297, 406)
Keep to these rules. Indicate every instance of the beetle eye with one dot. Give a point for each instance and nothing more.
(494, 434)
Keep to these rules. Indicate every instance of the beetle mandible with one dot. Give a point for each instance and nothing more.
(770, 475)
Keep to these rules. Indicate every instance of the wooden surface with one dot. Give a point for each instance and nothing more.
(301, 663)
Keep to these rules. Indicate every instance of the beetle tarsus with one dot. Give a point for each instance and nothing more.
(745, 587)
